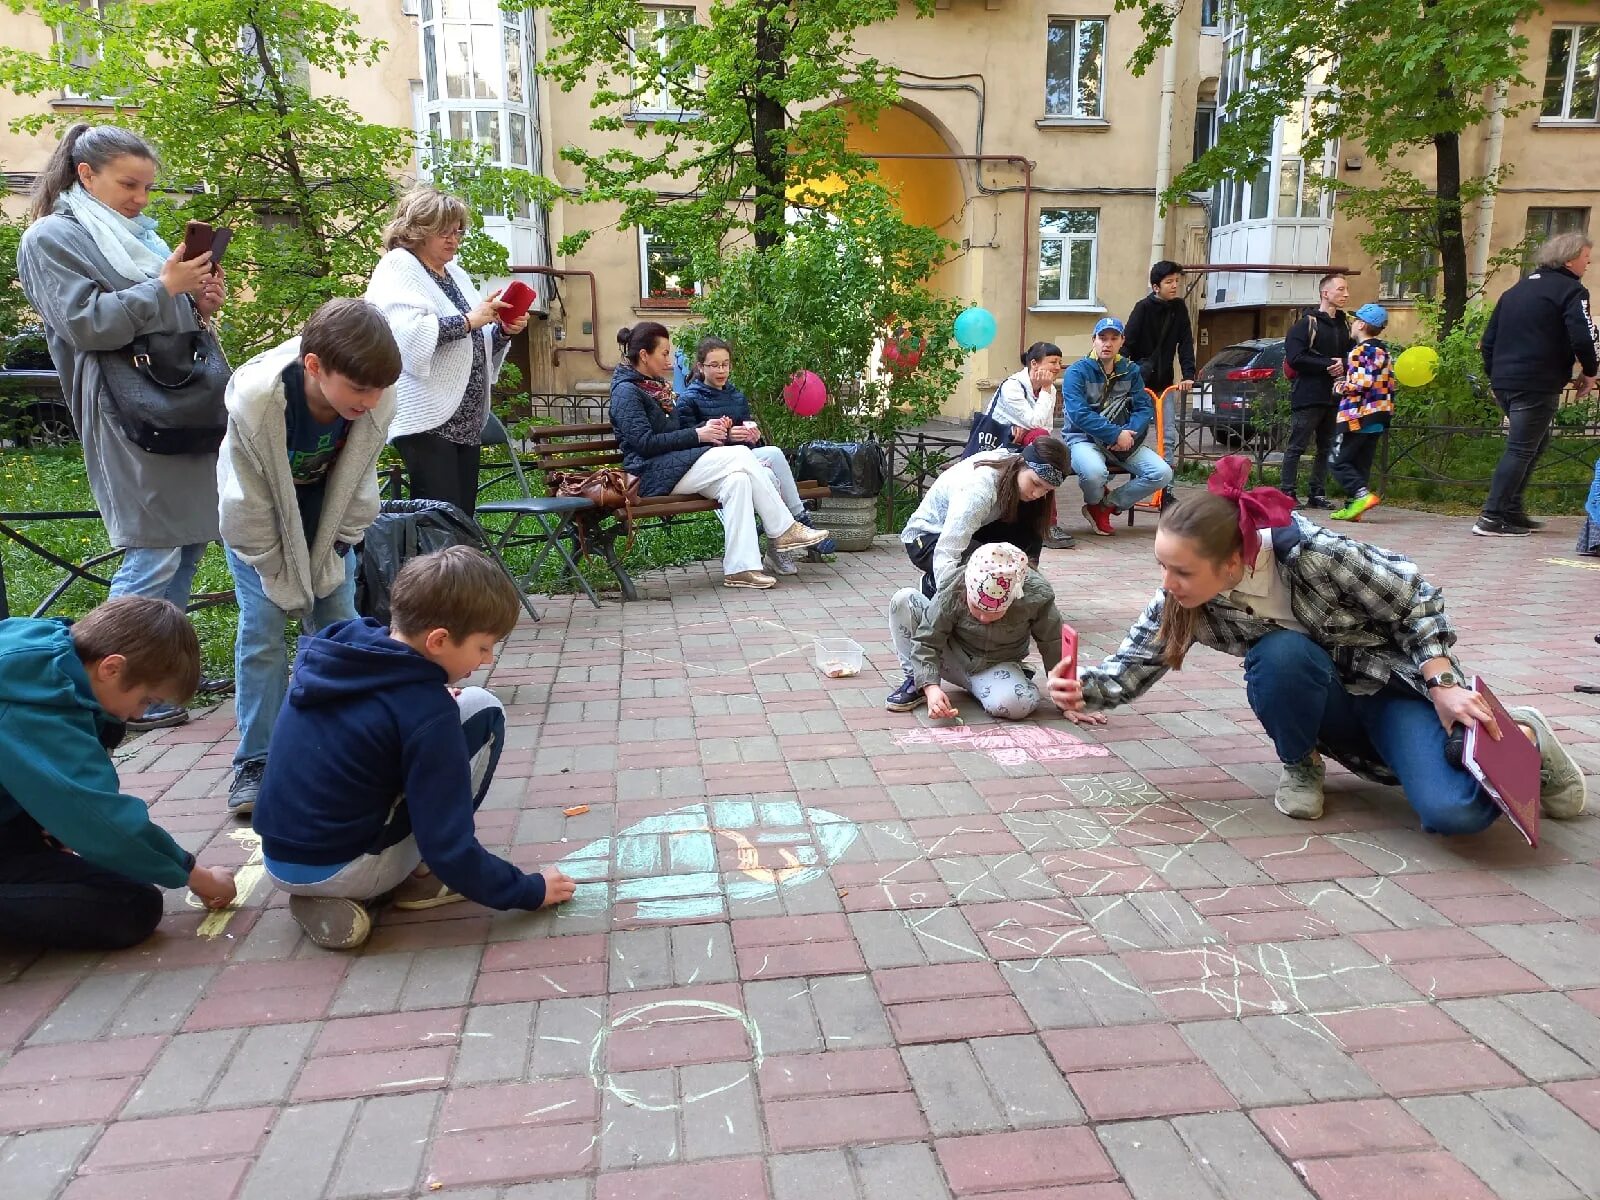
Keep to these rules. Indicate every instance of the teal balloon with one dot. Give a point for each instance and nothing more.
(975, 328)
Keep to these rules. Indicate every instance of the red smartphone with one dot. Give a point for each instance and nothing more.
(197, 236)
(1069, 650)
(518, 298)
(219, 246)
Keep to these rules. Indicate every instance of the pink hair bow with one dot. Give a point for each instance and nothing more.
(1259, 508)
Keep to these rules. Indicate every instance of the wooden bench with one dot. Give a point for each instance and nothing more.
(588, 448)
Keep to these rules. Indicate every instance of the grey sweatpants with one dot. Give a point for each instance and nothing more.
(1004, 690)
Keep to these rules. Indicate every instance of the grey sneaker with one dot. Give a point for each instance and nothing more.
(779, 564)
(1562, 790)
(331, 921)
(1299, 793)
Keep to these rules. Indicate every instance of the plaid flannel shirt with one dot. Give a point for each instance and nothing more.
(1371, 609)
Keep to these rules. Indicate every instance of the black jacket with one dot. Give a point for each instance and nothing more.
(1313, 342)
(1537, 329)
(699, 402)
(1157, 329)
(653, 447)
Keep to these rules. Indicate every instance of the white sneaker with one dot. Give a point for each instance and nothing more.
(1299, 793)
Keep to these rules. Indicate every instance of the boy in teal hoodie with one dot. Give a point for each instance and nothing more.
(79, 858)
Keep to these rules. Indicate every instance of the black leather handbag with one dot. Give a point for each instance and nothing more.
(166, 391)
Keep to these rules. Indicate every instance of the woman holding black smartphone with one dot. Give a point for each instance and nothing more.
(95, 269)
(452, 348)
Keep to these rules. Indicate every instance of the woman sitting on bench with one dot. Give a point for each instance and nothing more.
(697, 461)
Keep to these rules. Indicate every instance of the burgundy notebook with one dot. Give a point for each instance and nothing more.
(1508, 769)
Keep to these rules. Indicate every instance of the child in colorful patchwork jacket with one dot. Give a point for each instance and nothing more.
(1366, 406)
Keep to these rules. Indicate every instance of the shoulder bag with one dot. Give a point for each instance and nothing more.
(166, 390)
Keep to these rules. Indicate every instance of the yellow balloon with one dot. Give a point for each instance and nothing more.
(1417, 366)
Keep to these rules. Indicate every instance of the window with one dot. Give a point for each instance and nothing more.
(1067, 239)
(1544, 224)
(660, 25)
(665, 273)
(477, 85)
(1074, 66)
(1205, 129)
(1572, 76)
(80, 47)
(1414, 275)
(1210, 14)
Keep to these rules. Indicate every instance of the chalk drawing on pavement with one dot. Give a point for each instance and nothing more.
(1009, 745)
(655, 1020)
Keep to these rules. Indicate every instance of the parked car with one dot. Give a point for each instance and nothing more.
(33, 411)
(1237, 387)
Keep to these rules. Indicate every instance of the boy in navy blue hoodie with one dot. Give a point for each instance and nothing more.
(80, 860)
(378, 765)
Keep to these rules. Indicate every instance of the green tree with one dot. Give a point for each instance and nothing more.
(823, 300)
(1403, 80)
(15, 313)
(223, 90)
(738, 109)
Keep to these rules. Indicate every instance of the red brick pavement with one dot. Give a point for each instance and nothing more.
(921, 971)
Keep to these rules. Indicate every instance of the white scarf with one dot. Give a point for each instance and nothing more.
(130, 244)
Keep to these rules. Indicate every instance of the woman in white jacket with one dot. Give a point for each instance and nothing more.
(452, 347)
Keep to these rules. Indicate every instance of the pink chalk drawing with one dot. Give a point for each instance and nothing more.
(1008, 745)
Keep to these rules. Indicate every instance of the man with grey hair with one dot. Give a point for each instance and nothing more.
(1540, 327)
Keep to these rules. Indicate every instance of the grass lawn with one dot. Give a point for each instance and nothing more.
(54, 481)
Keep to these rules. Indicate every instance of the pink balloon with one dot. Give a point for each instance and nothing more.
(805, 394)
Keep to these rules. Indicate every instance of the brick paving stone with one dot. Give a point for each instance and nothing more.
(638, 1119)
(184, 1073)
(1243, 1163)
(161, 1183)
(89, 1060)
(301, 1151)
(387, 1145)
(720, 1115)
(730, 1179)
(947, 1020)
(1500, 1156)
(251, 994)
(261, 1071)
(392, 1031)
(1062, 993)
(1517, 1040)
(1581, 1096)
(1030, 1090)
(1243, 1064)
(1446, 1067)
(1311, 1058)
(1417, 1175)
(1125, 1093)
(160, 1140)
(907, 1172)
(1455, 978)
(1015, 1162)
(510, 1155)
(376, 1072)
(1154, 1161)
(952, 1089)
(818, 1122)
(34, 1165)
(1341, 1127)
(1564, 955)
(88, 1010)
(32, 1106)
(1404, 1025)
(1076, 1050)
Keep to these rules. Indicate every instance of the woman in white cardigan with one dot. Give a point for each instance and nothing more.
(451, 347)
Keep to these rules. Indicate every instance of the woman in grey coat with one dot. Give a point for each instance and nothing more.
(99, 275)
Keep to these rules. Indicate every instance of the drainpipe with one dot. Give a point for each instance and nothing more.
(1479, 268)
(1169, 91)
(1027, 218)
(594, 309)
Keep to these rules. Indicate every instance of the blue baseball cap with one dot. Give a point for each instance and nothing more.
(1111, 323)
(1375, 316)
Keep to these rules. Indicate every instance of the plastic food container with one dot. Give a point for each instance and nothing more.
(838, 658)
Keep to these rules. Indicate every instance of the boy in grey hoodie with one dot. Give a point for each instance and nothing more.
(298, 487)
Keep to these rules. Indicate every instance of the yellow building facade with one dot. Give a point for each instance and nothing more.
(1020, 135)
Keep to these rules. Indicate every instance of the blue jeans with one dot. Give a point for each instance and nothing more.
(1297, 695)
(160, 572)
(261, 657)
(1149, 473)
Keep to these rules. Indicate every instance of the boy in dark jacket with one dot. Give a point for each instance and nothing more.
(1158, 328)
(80, 860)
(1315, 348)
(379, 765)
(1539, 328)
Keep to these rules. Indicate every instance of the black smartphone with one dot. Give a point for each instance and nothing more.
(219, 246)
(197, 236)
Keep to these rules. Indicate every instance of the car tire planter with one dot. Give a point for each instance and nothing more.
(852, 520)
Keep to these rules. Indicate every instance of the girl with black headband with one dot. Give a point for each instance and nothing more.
(997, 496)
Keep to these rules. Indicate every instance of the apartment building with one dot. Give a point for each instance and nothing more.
(1037, 153)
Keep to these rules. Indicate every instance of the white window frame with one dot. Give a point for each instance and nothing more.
(1397, 284)
(1533, 243)
(646, 300)
(1581, 32)
(84, 55)
(658, 102)
(1062, 301)
(1077, 66)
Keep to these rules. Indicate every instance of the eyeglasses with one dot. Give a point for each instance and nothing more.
(453, 234)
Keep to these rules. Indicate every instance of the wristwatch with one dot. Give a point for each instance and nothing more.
(1443, 679)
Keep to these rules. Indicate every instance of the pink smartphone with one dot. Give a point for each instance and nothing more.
(1069, 650)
